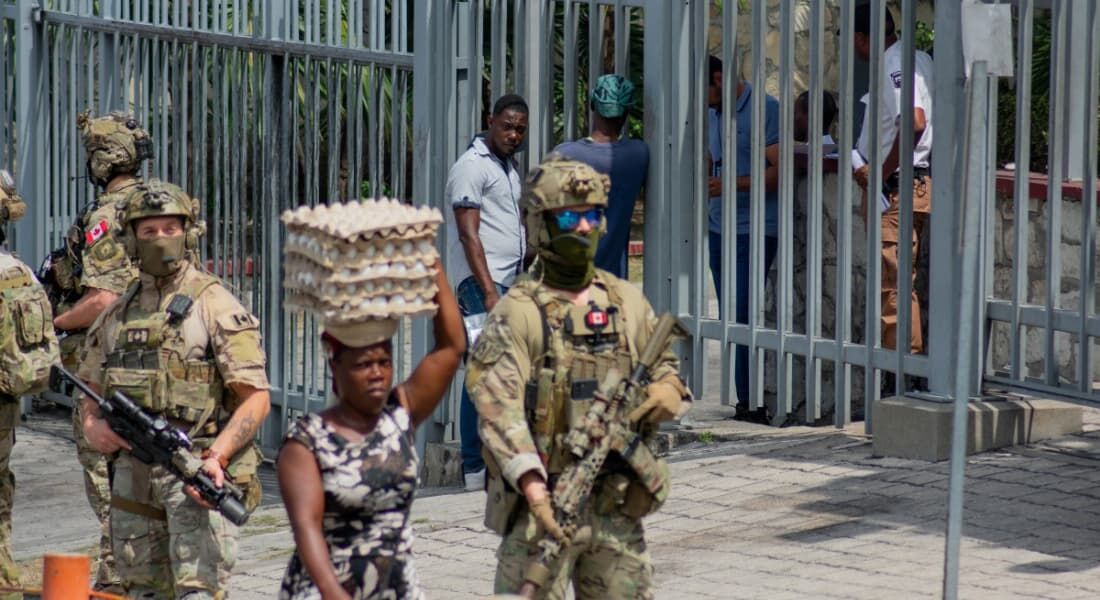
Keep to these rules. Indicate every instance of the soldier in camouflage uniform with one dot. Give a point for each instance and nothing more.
(27, 349)
(181, 346)
(94, 268)
(532, 374)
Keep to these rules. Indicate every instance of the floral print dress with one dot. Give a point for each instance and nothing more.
(368, 493)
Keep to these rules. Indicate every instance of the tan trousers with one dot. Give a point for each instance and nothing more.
(891, 219)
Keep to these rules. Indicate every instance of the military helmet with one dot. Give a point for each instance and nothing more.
(12, 207)
(115, 144)
(612, 95)
(557, 183)
(156, 198)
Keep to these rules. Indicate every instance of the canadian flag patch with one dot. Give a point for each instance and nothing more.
(93, 234)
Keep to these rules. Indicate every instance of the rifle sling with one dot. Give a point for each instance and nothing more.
(137, 508)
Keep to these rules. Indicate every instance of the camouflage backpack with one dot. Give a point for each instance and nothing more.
(28, 346)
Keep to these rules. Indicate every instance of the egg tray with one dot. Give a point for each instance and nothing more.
(360, 262)
(353, 293)
(348, 312)
(359, 221)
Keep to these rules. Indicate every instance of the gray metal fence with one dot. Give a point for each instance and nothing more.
(254, 108)
(264, 105)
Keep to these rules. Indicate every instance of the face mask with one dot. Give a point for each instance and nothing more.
(161, 256)
(569, 261)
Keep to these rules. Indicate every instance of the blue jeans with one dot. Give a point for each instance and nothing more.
(471, 301)
(741, 293)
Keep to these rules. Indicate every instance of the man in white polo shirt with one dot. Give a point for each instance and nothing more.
(890, 105)
(487, 239)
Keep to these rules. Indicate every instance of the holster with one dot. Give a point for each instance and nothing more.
(501, 500)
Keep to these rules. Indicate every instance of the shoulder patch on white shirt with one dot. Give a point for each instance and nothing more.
(895, 77)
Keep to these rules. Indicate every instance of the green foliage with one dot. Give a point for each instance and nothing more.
(923, 37)
(1040, 101)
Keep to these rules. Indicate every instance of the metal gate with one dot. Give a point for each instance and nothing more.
(254, 107)
(260, 106)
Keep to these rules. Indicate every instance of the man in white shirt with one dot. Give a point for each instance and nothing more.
(487, 239)
(890, 154)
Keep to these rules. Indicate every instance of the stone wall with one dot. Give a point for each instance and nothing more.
(831, 205)
(1069, 296)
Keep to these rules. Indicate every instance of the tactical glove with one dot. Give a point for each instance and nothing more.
(664, 402)
(544, 516)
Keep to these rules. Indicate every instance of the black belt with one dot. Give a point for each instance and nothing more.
(891, 184)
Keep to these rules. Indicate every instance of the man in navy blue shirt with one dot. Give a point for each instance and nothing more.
(743, 113)
(624, 160)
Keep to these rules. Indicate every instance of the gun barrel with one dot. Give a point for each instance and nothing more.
(667, 326)
(79, 383)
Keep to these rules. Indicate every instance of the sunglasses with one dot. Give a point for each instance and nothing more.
(568, 220)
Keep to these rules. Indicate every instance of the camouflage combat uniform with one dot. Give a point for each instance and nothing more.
(93, 257)
(178, 363)
(27, 349)
(532, 375)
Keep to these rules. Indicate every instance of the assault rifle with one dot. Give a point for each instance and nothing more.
(154, 441)
(604, 430)
(47, 276)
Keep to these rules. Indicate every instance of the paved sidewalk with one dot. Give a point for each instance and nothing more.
(768, 513)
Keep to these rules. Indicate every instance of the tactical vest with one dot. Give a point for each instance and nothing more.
(27, 348)
(580, 345)
(149, 361)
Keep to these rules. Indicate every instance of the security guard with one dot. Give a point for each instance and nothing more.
(181, 346)
(532, 374)
(27, 349)
(94, 270)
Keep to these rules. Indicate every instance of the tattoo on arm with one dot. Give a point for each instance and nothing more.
(246, 427)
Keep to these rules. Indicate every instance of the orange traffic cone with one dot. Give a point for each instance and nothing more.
(65, 576)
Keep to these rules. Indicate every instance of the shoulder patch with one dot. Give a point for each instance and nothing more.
(107, 250)
(239, 321)
(93, 234)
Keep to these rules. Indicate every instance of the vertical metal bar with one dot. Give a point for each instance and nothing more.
(842, 369)
(756, 207)
(974, 164)
(1057, 124)
(30, 158)
(622, 26)
(904, 282)
(784, 303)
(1088, 205)
(671, 130)
(873, 218)
(948, 100)
(1021, 187)
(433, 58)
(595, 51)
(498, 43)
(728, 169)
(534, 46)
(813, 199)
(569, 72)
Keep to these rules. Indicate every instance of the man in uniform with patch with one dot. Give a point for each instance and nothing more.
(181, 346)
(533, 374)
(28, 348)
(89, 273)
